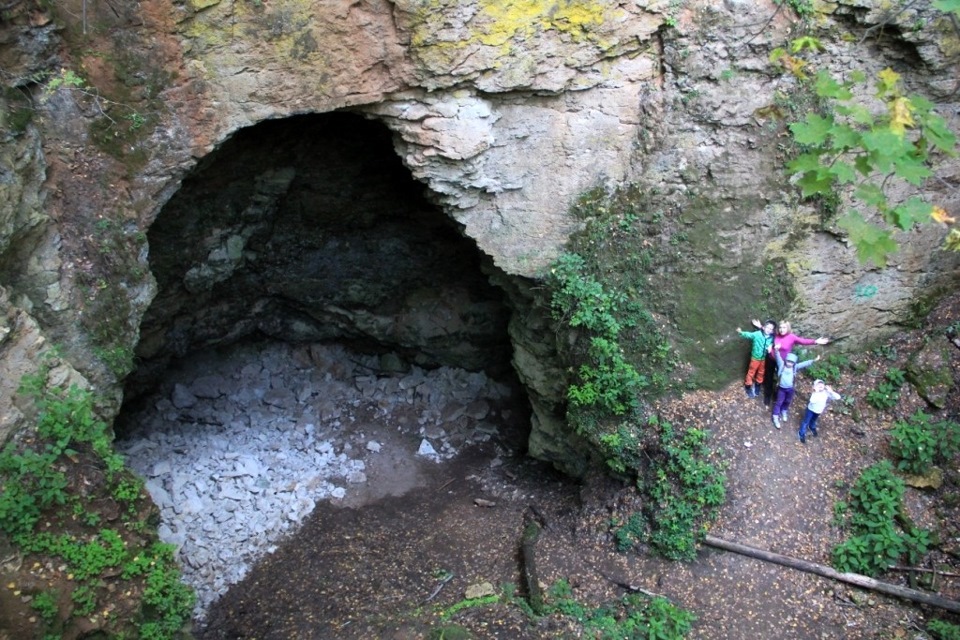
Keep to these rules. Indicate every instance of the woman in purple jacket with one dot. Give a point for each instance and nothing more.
(784, 340)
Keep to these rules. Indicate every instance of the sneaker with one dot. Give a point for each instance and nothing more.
(776, 421)
(749, 390)
(813, 432)
(802, 439)
(783, 416)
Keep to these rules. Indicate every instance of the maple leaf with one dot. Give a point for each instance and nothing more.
(805, 162)
(815, 182)
(940, 215)
(911, 169)
(827, 87)
(844, 137)
(943, 138)
(947, 5)
(901, 115)
(794, 66)
(873, 243)
(813, 131)
(911, 212)
(952, 241)
(843, 172)
(888, 79)
(871, 194)
(806, 42)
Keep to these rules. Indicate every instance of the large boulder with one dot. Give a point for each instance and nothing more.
(931, 373)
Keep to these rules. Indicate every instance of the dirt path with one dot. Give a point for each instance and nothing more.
(780, 497)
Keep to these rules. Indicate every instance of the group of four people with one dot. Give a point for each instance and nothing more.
(773, 368)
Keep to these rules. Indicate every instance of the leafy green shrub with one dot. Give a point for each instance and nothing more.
(597, 289)
(617, 353)
(803, 8)
(468, 603)
(84, 598)
(918, 443)
(30, 483)
(896, 377)
(913, 444)
(84, 559)
(45, 604)
(627, 534)
(874, 508)
(633, 617)
(607, 380)
(943, 630)
(885, 351)
(30, 476)
(128, 491)
(887, 393)
(829, 369)
(683, 489)
(885, 396)
(167, 602)
(623, 448)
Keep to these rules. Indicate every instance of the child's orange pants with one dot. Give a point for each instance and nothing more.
(755, 372)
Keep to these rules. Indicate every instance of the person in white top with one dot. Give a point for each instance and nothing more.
(818, 403)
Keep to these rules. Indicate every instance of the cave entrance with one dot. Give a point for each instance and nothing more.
(321, 331)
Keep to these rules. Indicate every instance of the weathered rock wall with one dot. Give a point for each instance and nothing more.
(717, 171)
(505, 111)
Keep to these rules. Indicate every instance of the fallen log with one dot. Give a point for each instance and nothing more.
(827, 572)
(937, 572)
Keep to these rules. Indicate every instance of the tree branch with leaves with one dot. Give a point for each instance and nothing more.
(849, 146)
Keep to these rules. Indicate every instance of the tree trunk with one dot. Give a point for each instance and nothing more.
(531, 533)
(849, 578)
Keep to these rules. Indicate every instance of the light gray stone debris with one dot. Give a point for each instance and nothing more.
(236, 460)
(182, 397)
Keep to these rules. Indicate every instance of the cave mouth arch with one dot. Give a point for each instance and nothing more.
(306, 285)
(310, 229)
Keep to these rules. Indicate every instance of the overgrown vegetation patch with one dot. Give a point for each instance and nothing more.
(880, 531)
(619, 355)
(72, 510)
(632, 617)
(920, 441)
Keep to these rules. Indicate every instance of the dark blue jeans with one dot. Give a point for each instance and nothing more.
(809, 422)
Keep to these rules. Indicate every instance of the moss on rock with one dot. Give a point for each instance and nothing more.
(929, 371)
(679, 268)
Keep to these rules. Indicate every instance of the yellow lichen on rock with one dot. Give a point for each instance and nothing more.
(513, 18)
(505, 23)
(197, 5)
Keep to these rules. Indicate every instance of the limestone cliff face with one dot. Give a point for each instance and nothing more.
(505, 111)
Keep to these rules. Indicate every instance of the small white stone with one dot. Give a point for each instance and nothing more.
(426, 449)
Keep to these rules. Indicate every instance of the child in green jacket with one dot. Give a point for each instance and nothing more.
(762, 342)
